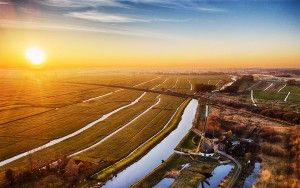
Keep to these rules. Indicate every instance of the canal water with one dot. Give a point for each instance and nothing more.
(166, 182)
(251, 179)
(160, 152)
(218, 174)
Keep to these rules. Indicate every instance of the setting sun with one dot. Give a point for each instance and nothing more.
(35, 55)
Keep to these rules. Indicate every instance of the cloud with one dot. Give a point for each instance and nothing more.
(20, 24)
(104, 17)
(4, 3)
(117, 18)
(81, 3)
(205, 9)
(194, 5)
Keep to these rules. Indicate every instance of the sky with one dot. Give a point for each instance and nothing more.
(151, 33)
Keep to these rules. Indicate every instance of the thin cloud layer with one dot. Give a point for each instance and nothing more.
(81, 3)
(104, 17)
(117, 18)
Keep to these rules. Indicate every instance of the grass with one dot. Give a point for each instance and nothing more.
(105, 174)
(54, 124)
(89, 136)
(275, 99)
(137, 133)
(94, 134)
(168, 84)
(158, 173)
(281, 170)
(271, 95)
(273, 150)
(49, 89)
(183, 84)
(12, 113)
(187, 142)
(214, 79)
(26, 97)
(189, 177)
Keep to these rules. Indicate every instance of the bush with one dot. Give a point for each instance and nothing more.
(204, 87)
(10, 177)
(273, 150)
(234, 88)
(213, 127)
(292, 83)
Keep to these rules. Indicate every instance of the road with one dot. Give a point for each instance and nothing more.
(237, 172)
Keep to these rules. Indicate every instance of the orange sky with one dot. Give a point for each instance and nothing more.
(213, 38)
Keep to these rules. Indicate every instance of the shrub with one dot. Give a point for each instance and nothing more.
(213, 127)
(204, 87)
(273, 150)
(10, 177)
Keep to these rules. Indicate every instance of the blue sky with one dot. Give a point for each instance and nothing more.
(161, 15)
(240, 26)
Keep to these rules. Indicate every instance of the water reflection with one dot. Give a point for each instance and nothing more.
(218, 174)
(166, 182)
(251, 179)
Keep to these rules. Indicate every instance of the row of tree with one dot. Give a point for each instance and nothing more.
(204, 87)
(234, 88)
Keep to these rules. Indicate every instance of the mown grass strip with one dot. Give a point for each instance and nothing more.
(137, 154)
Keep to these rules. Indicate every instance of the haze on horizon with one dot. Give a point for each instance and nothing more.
(147, 33)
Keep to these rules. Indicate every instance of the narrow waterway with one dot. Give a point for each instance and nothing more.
(233, 78)
(166, 182)
(160, 152)
(252, 178)
(218, 174)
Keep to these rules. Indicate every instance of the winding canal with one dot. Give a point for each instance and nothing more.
(160, 152)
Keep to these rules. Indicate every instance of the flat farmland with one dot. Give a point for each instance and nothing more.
(90, 136)
(47, 115)
(186, 83)
(214, 79)
(272, 92)
(118, 79)
(57, 123)
(14, 112)
(294, 95)
(137, 133)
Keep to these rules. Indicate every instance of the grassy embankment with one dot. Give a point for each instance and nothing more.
(189, 177)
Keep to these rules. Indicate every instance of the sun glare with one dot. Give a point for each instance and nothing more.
(36, 56)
